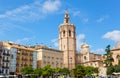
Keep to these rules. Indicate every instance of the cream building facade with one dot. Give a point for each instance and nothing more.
(87, 58)
(49, 56)
(116, 54)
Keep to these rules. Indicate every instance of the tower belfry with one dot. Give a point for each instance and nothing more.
(66, 18)
(67, 41)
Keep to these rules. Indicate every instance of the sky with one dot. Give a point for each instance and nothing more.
(31, 22)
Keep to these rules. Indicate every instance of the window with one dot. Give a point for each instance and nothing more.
(69, 33)
(64, 46)
(85, 57)
(64, 33)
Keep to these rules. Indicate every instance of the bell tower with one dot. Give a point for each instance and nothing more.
(67, 41)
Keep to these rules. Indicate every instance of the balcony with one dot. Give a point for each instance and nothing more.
(7, 67)
(26, 54)
(6, 54)
(25, 64)
(31, 54)
(18, 58)
(1, 71)
(5, 60)
(17, 64)
(31, 59)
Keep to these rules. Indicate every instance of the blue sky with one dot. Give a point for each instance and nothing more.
(37, 21)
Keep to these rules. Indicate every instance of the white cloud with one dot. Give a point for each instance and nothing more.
(24, 40)
(55, 42)
(79, 40)
(99, 51)
(85, 20)
(27, 13)
(101, 19)
(33, 11)
(51, 6)
(76, 13)
(8, 27)
(113, 35)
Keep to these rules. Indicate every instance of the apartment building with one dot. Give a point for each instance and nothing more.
(49, 56)
(15, 57)
(4, 59)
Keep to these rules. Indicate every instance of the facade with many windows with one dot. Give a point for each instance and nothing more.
(49, 56)
(4, 59)
(15, 57)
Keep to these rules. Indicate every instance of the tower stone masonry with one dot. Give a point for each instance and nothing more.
(67, 41)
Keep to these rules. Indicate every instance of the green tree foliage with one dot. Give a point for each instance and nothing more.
(57, 70)
(81, 71)
(95, 71)
(27, 70)
(89, 70)
(117, 67)
(38, 72)
(110, 70)
(65, 70)
(109, 59)
(47, 71)
(73, 73)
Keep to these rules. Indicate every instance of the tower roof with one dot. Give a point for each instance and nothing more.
(84, 44)
(66, 17)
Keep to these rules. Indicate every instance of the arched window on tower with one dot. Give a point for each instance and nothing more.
(66, 20)
(63, 33)
(69, 33)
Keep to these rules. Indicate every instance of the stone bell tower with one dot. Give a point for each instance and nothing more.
(67, 41)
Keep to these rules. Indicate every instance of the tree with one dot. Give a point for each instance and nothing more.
(81, 72)
(108, 61)
(65, 70)
(27, 70)
(95, 71)
(38, 72)
(57, 70)
(110, 70)
(73, 73)
(46, 71)
(89, 70)
(117, 68)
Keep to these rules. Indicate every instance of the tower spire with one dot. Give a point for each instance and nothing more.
(66, 17)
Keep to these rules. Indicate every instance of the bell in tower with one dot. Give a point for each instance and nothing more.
(66, 18)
